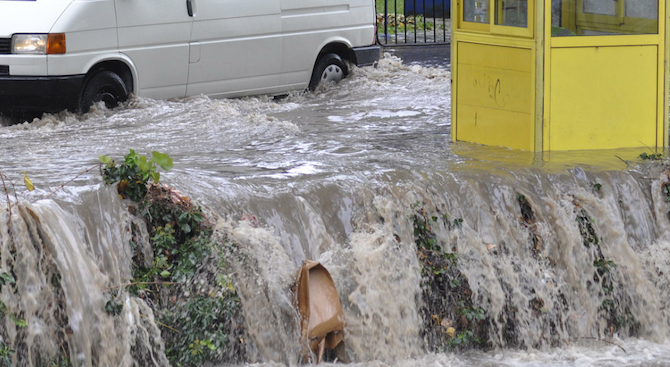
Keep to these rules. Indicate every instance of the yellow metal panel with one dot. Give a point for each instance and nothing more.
(538, 94)
(603, 97)
(494, 95)
(495, 88)
(593, 41)
(664, 75)
(457, 9)
(497, 57)
(494, 127)
(492, 39)
(632, 26)
(472, 26)
(548, 39)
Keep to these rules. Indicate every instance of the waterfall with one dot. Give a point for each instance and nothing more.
(550, 258)
(65, 258)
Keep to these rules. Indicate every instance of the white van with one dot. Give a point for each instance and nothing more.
(57, 54)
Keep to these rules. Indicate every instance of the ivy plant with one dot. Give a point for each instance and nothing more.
(134, 173)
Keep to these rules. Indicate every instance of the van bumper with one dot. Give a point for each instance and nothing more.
(40, 93)
(366, 56)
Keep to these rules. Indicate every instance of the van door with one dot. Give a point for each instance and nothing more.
(240, 48)
(155, 34)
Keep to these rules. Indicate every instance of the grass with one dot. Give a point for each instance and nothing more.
(394, 6)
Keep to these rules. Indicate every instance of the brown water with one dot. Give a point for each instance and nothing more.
(335, 176)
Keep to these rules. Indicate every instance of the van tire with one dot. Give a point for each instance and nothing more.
(329, 68)
(106, 86)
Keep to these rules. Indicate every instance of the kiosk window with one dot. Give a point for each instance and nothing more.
(603, 17)
(647, 9)
(476, 11)
(604, 7)
(512, 13)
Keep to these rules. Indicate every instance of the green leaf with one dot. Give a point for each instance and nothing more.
(597, 187)
(143, 165)
(131, 158)
(185, 227)
(165, 274)
(6, 278)
(163, 160)
(197, 217)
(113, 308)
(653, 156)
(105, 159)
(17, 321)
(156, 177)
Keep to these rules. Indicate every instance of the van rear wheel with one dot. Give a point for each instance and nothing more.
(329, 68)
(105, 86)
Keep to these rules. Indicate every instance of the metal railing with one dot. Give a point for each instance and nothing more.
(414, 22)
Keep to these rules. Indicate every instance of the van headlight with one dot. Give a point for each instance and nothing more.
(38, 44)
(35, 44)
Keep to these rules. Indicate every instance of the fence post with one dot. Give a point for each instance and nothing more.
(386, 15)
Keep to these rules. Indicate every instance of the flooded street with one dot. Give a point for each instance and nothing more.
(337, 176)
(378, 117)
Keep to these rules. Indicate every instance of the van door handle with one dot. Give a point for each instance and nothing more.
(189, 7)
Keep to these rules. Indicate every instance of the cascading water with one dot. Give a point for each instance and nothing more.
(63, 261)
(534, 297)
(567, 261)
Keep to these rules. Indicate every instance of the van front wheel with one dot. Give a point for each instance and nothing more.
(105, 86)
(329, 68)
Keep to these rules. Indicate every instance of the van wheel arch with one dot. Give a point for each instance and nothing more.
(115, 76)
(340, 49)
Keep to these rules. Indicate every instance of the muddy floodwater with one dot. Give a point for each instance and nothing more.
(337, 176)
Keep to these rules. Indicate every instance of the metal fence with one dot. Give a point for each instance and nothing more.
(414, 22)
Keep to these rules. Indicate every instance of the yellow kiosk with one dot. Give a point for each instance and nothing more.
(544, 75)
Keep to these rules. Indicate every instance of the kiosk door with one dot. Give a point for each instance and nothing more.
(605, 75)
(495, 73)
